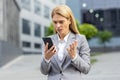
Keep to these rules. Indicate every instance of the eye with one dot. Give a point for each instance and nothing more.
(61, 22)
(54, 22)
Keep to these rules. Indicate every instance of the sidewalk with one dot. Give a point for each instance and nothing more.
(26, 67)
(107, 67)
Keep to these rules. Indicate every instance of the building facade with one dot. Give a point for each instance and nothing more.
(76, 9)
(1, 19)
(35, 17)
(9, 31)
(105, 15)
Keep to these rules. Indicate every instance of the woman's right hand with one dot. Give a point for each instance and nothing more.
(49, 52)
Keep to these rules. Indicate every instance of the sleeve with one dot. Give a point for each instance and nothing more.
(45, 66)
(82, 62)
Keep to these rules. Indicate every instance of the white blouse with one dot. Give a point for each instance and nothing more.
(61, 46)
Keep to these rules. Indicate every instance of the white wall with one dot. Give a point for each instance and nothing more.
(32, 17)
(1, 20)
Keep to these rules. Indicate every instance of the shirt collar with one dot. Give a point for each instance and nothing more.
(65, 38)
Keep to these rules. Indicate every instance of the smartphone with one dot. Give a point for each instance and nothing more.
(49, 41)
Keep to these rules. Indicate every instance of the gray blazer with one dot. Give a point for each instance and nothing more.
(68, 69)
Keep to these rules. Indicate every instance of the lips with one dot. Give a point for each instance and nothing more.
(59, 30)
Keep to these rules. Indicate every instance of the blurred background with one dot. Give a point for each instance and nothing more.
(24, 22)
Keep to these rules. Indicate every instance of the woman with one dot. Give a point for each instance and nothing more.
(70, 54)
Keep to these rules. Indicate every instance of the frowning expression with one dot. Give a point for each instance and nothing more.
(61, 24)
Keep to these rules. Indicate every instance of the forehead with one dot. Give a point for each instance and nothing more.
(57, 17)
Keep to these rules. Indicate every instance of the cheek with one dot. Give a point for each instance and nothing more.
(66, 29)
(67, 26)
(56, 30)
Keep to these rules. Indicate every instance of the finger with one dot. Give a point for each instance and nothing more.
(76, 42)
(50, 53)
(53, 47)
(54, 51)
(68, 49)
(46, 47)
(72, 46)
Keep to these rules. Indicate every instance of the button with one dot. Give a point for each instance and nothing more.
(60, 72)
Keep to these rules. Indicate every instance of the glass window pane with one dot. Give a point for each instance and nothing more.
(37, 7)
(119, 14)
(26, 44)
(45, 30)
(46, 12)
(37, 28)
(26, 4)
(26, 26)
(54, 1)
(37, 46)
(113, 15)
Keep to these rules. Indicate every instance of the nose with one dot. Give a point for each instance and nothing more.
(58, 25)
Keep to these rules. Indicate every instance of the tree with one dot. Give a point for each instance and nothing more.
(104, 36)
(50, 30)
(88, 30)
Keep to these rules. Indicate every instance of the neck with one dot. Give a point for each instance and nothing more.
(62, 35)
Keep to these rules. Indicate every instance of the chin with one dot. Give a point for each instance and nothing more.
(60, 32)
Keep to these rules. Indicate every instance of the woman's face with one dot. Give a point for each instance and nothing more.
(61, 25)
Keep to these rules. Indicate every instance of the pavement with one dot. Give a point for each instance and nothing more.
(27, 67)
(107, 67)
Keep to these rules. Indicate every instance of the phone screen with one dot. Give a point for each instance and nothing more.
(48, 39)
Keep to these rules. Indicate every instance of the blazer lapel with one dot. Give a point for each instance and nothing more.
(55, 57)
(66, 58)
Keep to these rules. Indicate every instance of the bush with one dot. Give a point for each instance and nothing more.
(104, 36)
(88, 30)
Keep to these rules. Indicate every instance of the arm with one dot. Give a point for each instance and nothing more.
(45, 60)
(45, 66)
(82, 61)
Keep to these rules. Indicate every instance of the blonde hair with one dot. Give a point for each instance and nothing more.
(66, 12)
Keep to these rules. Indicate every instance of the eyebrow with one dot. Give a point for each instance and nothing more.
(58, 20)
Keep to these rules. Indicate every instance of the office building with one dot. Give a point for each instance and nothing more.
(9, 31)
(34, 19)
(105, 15)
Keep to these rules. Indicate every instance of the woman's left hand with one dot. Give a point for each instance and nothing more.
(72, 49)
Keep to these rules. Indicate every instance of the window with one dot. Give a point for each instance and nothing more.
(46, 12)
(119, 13)
(113, 15)
(54, 1)
(26, 4)
(37, 7)
(45, 30)
(37, 46)
(25, 26)
(37, 28)
(26, 44)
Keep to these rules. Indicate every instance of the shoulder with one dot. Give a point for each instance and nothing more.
(54, 36)
(80, 36)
